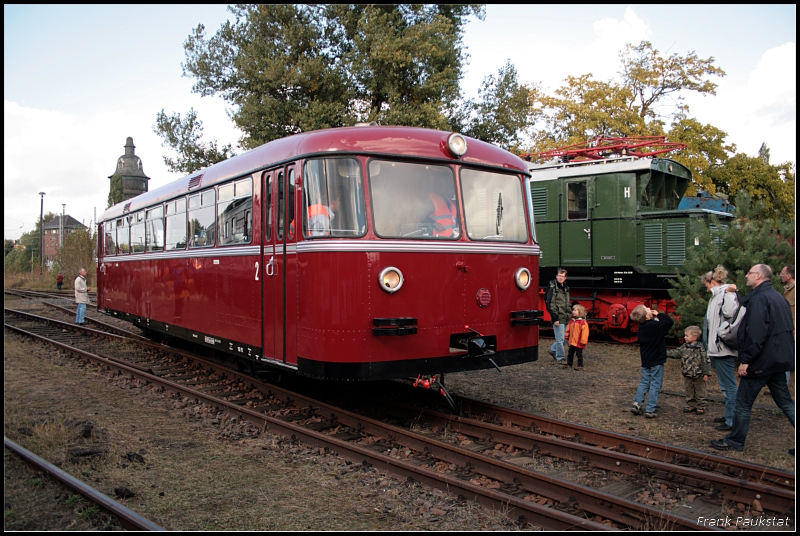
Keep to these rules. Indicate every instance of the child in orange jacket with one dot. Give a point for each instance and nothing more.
(577, 335)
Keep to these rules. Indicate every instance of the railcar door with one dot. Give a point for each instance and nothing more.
(280, 266)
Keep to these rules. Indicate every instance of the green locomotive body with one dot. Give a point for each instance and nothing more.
(615, 226)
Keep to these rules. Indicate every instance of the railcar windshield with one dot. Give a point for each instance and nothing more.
(493, 206)
(333, 205)
(414, 200)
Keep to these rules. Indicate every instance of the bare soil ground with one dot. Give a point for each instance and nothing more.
(602, 393)
(187, 472)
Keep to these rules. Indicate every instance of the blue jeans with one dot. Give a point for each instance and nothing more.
(725, 367)
(560, 332)
(652, 378)
(749, 387)
(79, 316)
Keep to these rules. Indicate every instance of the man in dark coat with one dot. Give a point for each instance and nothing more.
(766, 352)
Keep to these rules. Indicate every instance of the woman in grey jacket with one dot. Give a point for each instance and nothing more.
(722, 306)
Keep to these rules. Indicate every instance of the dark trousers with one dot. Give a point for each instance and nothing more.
(59, 285)
(572, 351)
(749, 388)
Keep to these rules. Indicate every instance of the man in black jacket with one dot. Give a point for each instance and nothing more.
(766, 352)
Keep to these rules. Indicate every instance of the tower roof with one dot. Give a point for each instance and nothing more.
(129, 165)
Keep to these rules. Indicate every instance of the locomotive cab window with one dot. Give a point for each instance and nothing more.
(154, 229)
(202, 223)
(333, 204)
(414, 201)
(176, 224)
(577, 201)
(235, 213)
(493, 206)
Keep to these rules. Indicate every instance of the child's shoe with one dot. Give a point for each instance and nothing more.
(651, 415)
(689, 410)
(579, 368)
(637, 409)
(700, 411)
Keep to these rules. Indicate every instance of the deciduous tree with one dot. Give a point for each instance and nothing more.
(504, 112)
(293, 68)
(183, 137)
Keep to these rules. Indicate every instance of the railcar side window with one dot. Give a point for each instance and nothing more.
(123, 237)
(111, 238)
(137, 232)
(154, 229)
(493, 206)
(176, 224)
(201, 219)
(333, 204)
(235, 212)
(577, 201)
(414, 201)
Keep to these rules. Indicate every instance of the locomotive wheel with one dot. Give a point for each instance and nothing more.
(623, 338)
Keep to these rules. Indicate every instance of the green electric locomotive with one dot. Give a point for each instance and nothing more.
(615, 225)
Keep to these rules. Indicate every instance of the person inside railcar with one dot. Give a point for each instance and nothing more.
(722, 306)
(653, 327)
(334, 198)
(444, 217)
(695, 368)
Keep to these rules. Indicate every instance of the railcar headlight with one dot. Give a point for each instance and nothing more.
(390, 279)
(457, 144)
(523, 278)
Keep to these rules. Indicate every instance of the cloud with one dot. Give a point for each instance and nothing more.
(774, 82)
(757, 107)
(601, 55)
(70, 157)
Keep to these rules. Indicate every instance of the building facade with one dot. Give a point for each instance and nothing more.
(53, 234)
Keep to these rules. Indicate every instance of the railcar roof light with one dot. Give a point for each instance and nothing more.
(390, 279)
(457, 144)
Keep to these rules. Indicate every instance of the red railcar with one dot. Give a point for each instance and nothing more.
(355, 253)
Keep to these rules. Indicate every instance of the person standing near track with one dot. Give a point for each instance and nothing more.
(722, 306)
(81, 296)
(560, 309)
(653, 327)
(766, 352)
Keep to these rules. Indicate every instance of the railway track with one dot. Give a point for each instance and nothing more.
(483, 455)
(127, 517)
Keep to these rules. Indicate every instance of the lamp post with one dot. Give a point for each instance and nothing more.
(41, 235)
(61, 241)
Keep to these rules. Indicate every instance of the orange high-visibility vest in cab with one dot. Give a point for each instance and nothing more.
(319, 210)
(444, 216)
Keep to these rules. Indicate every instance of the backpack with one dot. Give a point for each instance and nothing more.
(728, 329)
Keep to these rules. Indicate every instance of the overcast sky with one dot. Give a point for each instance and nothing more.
(78, 80)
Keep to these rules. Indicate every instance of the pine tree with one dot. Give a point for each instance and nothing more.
(751, 238)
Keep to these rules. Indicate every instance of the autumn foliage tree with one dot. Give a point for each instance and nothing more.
(77, 252)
